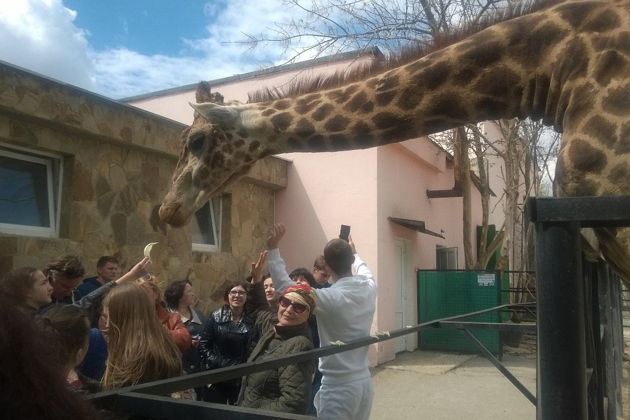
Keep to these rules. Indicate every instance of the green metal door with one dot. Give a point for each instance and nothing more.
(442, 294)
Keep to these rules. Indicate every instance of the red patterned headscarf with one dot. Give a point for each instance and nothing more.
(302, 293)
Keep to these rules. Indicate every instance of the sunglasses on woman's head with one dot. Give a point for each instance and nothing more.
(297, 307)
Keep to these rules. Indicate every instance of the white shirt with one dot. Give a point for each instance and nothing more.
(344, 312)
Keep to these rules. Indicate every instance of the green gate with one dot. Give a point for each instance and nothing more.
(443, 294)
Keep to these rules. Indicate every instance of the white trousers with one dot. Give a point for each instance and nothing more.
(349, 401)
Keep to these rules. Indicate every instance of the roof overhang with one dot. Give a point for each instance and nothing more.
(417, 225)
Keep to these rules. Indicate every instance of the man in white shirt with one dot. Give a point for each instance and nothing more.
(344, 313)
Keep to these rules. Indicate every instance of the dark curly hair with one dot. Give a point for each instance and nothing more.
(174, 292)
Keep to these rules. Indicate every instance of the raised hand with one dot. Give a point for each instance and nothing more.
(256, 270)
(351, 243)
(276, 233)
(137, 271)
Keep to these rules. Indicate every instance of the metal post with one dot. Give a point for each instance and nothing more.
(561, 353)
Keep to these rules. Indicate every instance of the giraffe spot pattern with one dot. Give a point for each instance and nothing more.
(437, 124)
(586, 158)
(304, 128)
(242, 133)
(336, 123)
(576, 60)
(497, 82)
(619, 174)
(531, 48)
(304, 105)
(604, 21)
(484, 54)
(356, 102)
(393, 126)
(281, 121)
(617, 101)
(339, 142)
(586, 187)
(622, 42)
(581, 103)
(433, 77)
(322, 112)
(448, 104)
(491, 108)
(372, 83)
(361, 128)
(267, 112)
(239, 143)
(387, 82)
(282, 104)
(294, 143)
(384, 98)
(217, 159)
(409, 99)
(241, 156)
(253, 146)
(464, 75)
(623, 145)
(316, 143)
(601, 129)
(611, 65)
(575, 14)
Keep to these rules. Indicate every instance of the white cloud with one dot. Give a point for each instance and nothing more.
(41, 36)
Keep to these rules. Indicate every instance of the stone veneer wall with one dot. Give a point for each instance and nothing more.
(118, 161)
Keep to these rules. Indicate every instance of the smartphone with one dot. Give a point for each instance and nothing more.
(344, 232)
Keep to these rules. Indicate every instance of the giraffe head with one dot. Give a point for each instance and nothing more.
(215, 151)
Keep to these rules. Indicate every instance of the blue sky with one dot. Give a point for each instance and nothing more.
(121, 48)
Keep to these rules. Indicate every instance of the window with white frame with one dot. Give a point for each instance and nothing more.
(30, 185)
(446, 258)
(206, 226)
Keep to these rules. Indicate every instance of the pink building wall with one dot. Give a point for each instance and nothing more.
(361, 188)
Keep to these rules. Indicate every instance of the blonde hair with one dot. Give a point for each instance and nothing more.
(139, 348)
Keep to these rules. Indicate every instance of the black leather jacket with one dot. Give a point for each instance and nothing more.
(224, 342)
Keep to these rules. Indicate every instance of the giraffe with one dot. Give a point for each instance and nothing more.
(567, 64)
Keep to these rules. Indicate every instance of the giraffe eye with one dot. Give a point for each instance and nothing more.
(195, 142)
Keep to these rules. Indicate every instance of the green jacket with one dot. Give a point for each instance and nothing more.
(286, 388)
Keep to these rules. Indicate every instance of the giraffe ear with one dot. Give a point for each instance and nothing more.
(224, 116)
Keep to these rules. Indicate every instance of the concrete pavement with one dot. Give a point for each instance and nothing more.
(443, 386)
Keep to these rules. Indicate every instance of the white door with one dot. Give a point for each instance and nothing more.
(400, 343)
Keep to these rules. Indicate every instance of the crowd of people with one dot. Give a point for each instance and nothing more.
(110, 331)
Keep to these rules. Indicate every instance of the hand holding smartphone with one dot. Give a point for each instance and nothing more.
(344, 232)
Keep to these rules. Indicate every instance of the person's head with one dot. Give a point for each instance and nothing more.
(339, 257)
(295, 305)
(152, 290)
(139, 348)
(107, 268)
(270, 291)
(235, 294)
(32, 382)
(180, 293)
(65, 275)
(26, 286)
(70, 327)
(303, 276)
(320, 272)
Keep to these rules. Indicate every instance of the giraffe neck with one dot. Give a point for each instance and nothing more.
(519, 68)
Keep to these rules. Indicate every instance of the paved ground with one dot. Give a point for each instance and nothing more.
(440, 386)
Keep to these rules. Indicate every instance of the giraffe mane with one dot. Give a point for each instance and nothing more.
(412, 51)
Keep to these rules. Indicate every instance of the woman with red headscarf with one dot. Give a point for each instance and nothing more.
(285, 388)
